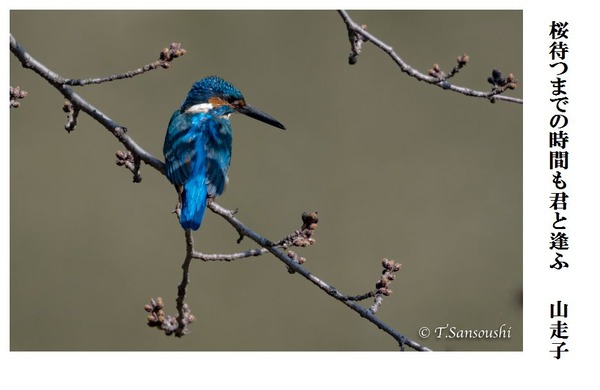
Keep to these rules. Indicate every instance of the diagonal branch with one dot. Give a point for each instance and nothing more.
(358, 34)
(368, 314)
(58, 82)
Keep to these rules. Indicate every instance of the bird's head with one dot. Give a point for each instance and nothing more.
(214, 93)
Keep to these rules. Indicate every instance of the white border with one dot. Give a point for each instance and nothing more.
(390, 370)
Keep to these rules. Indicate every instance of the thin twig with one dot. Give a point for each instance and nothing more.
(354, 29)
(166, 56)
(230, 256)
(182, 288)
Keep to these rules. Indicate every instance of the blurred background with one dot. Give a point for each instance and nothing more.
(395, 168)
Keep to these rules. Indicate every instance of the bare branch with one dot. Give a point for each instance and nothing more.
(183, 318)
(229, 257)
(358, 34)
(77, 101)
(301, 237)
(297, 268)
(131, 159)
(164, 61)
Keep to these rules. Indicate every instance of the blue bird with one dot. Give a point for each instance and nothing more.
(197, 145)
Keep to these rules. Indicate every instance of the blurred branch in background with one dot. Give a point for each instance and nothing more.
(132, 158)
(358, 34)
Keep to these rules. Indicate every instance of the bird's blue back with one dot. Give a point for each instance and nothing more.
(197, 153)
(197, 146)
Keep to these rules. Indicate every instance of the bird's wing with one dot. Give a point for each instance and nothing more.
(218, 155)
(183, 148)
(195, 143)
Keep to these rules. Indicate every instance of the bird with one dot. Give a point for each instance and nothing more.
(197, 147)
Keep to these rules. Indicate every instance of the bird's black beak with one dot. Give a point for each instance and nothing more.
(258, 114)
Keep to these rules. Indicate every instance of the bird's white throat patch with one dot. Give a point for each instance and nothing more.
(202, 107)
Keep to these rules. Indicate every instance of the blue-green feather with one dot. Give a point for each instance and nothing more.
(197, 153)
(197, 145)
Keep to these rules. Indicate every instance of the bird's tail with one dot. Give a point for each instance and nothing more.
(193, 203)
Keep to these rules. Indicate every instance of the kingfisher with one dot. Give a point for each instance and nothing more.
(197, 146)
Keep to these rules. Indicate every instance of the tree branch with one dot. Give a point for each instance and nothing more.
(358, 34)
(229, 257)
(297, 268)
(301, 237)
(81, 104)
(166, 56)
